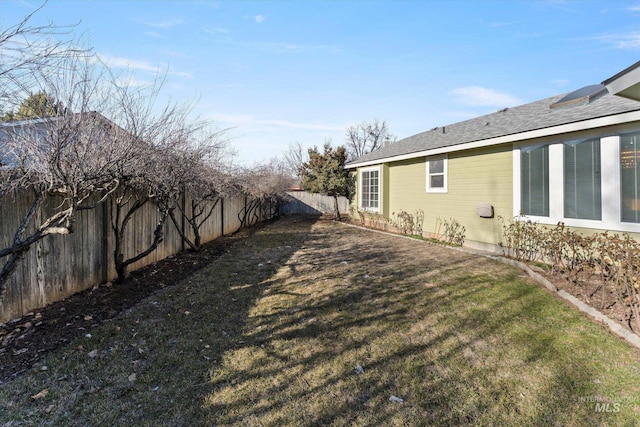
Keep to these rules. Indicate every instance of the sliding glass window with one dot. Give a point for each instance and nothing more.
(534, 180)
(582, 179)
(630, 177)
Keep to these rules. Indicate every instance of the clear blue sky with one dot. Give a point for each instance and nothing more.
(281, 72)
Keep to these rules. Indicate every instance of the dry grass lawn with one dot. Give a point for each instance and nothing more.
(276, 330)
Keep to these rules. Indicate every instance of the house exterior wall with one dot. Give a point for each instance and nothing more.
(492, 175)
(475, 176)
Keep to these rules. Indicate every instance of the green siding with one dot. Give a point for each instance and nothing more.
(483, 175)
(474, 176)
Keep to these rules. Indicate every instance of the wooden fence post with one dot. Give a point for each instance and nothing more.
(106, 220)
(183, 223)
(222, 216)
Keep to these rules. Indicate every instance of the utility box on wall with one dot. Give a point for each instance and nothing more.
(484, 210)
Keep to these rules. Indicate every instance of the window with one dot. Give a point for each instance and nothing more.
(582, 193)
(437, 175)
(630, 177)
(370, 189)
(534, 181)
(577, 182)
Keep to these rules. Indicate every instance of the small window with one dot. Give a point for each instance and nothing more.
(534, 181)
(370, 189)
(437, 175)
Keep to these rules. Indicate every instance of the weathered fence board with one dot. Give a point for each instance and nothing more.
(232, 207)
(305, 203)
(61, 265)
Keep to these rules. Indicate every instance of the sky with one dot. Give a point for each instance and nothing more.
(275, 73)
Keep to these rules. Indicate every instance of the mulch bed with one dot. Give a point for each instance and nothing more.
(601, 296)
(25, 341)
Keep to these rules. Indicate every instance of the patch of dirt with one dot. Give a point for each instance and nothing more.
(24, 341)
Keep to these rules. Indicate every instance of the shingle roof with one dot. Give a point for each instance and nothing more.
(7, 158)
(510, 121)
(37, 127)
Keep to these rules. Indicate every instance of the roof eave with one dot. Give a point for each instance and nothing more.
(626, 83)
(537, 133)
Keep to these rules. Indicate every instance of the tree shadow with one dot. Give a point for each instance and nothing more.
(446, 397)
(271, 333)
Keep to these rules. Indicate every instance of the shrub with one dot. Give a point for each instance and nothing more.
(447, 231)
(612, 259)
(453, 232)
(407, 223)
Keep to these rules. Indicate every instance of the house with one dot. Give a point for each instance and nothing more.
(47, 135)
(570, 158)
(11, 131)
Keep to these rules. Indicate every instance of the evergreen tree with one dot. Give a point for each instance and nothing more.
(324, 173)
(37, 105)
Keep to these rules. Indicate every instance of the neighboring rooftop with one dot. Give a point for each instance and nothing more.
(590, 102)
(35, 128)
(7, 158)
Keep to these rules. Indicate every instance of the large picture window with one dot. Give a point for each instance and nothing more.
(534, 181)
(370, 189)
(582, 179)
(630, 177)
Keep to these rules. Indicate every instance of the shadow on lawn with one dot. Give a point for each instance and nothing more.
(219, 312)
(152, 365)
(425, 342)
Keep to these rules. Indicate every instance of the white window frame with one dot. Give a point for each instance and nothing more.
(574, 143)
(610, 184)
(549, 153)
(360, 192)
(444, 173)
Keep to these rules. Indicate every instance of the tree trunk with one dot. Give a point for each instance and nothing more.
(337, 209)
(195, 245)
(10, 266)
(158, 236)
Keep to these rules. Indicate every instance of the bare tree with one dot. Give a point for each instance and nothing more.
(68, 162)
(264, 185)
(294, 158)
(156, 169)
(204, 185)
(366, 137)
(41, 156)
(28, 50)
(79, 158)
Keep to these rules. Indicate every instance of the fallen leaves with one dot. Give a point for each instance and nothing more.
(42, 393)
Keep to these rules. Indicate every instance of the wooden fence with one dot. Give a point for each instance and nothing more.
(305, 203)
(61, 265)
